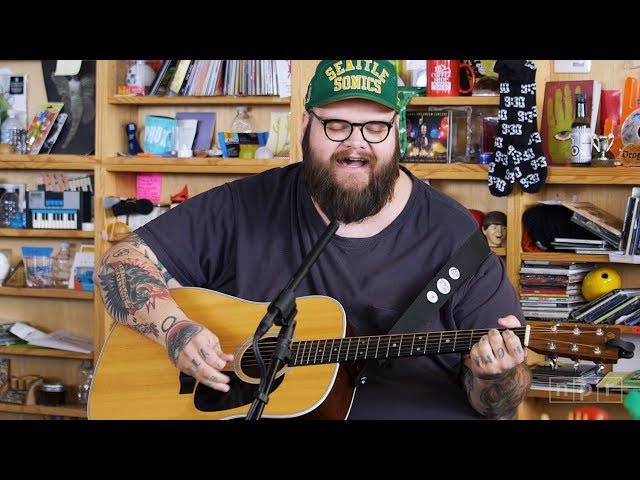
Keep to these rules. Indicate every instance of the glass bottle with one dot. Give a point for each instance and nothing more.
(10, 125)
(62, 266)
(242, 121)
(581, 134)
(85, 377)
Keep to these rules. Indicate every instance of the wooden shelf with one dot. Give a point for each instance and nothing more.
(449, 171)
(500, 251)
(489, 100)
(71, 411)
(47, 162)
(565, 257)
(192, 100)
(44, 352)
(192, 165)
(46, 293)
(37, 233)
(593, 175)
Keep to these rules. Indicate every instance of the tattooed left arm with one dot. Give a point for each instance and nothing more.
(495, 375)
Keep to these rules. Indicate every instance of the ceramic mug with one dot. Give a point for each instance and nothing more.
(443, 78)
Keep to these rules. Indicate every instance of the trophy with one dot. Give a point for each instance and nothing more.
(602, 144)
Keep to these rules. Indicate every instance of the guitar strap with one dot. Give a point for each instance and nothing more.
(462, 264)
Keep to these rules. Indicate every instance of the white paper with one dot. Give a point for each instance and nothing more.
(60, 339)
(67, 67)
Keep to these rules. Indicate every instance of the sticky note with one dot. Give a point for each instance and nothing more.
(149, 186)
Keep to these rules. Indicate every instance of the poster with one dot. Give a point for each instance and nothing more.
(78, 93)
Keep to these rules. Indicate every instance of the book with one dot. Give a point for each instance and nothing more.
(558, 114)
(179, 77)
(159, 79)
(603, 304)
(41, 124)
(620, 381)
(206, 125)
(598, 221)
(428, 139)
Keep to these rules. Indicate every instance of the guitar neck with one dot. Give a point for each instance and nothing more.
(316, 352)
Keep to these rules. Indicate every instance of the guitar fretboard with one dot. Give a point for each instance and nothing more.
(315, 352)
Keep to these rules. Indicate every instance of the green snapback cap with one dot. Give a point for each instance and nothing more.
(335, 80)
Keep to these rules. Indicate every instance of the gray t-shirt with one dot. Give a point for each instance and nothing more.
(247, 239)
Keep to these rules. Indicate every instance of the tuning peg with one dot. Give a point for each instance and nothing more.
(553, 362)
(599, 367)
(576, 364)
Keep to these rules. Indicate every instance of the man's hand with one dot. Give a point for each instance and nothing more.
(196, 351)
(495, 376)
(496, 354)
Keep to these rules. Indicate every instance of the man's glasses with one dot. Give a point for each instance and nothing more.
(339, 130)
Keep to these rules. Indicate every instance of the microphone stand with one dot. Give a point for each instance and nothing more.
(282, 311)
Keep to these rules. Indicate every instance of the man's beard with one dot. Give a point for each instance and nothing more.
(348, 205)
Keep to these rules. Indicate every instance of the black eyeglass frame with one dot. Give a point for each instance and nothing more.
(325, 121)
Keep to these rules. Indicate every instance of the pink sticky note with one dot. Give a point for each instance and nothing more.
(149, 186)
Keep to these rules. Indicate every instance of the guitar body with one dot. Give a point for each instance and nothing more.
(134, 378)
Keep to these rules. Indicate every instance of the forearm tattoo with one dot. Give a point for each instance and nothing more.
(129, 285)
(498, 397)
(178, 333)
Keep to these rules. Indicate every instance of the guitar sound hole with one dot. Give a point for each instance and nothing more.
(249, 362)
(241, 393)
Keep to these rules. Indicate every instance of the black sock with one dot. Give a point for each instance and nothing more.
(518, 148)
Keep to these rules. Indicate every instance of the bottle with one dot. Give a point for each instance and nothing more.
(9, 207)
(242, 121)
(62, 266)
(581, 134)
(10, 125)
(85, 377)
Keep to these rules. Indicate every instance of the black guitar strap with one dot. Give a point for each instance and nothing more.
(463, 263)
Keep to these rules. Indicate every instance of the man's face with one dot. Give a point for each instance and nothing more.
(352, 179)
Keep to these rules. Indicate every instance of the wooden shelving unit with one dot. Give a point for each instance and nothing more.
(192, 100)
(70, 411)
(66, 293)
(37, 233)
(44, 352)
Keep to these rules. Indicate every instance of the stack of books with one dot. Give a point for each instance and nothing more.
(619, 306)
(566, 378)
(551, 290)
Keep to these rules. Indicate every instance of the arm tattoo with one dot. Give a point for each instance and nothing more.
(128, 286)
(146, 329)
(501, 396)
(179, 335)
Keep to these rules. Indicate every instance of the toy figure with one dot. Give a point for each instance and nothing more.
(494, 227)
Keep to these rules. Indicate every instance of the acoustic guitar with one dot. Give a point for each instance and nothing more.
(134, 378)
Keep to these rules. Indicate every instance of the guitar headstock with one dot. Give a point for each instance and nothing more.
(579, 341)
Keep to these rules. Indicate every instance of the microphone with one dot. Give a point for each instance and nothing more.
(284, 303)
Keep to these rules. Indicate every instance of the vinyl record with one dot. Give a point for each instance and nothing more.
(630, 131)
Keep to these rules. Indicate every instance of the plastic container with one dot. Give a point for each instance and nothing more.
(9, 207)
(242, 121)
(85, 377)
(62, 266)
(8, 127)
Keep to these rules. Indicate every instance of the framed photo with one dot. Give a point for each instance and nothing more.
(428, 139)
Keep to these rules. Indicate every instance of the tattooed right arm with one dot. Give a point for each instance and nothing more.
(134, 286)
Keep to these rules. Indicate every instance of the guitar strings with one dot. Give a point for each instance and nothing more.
(300, 347)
